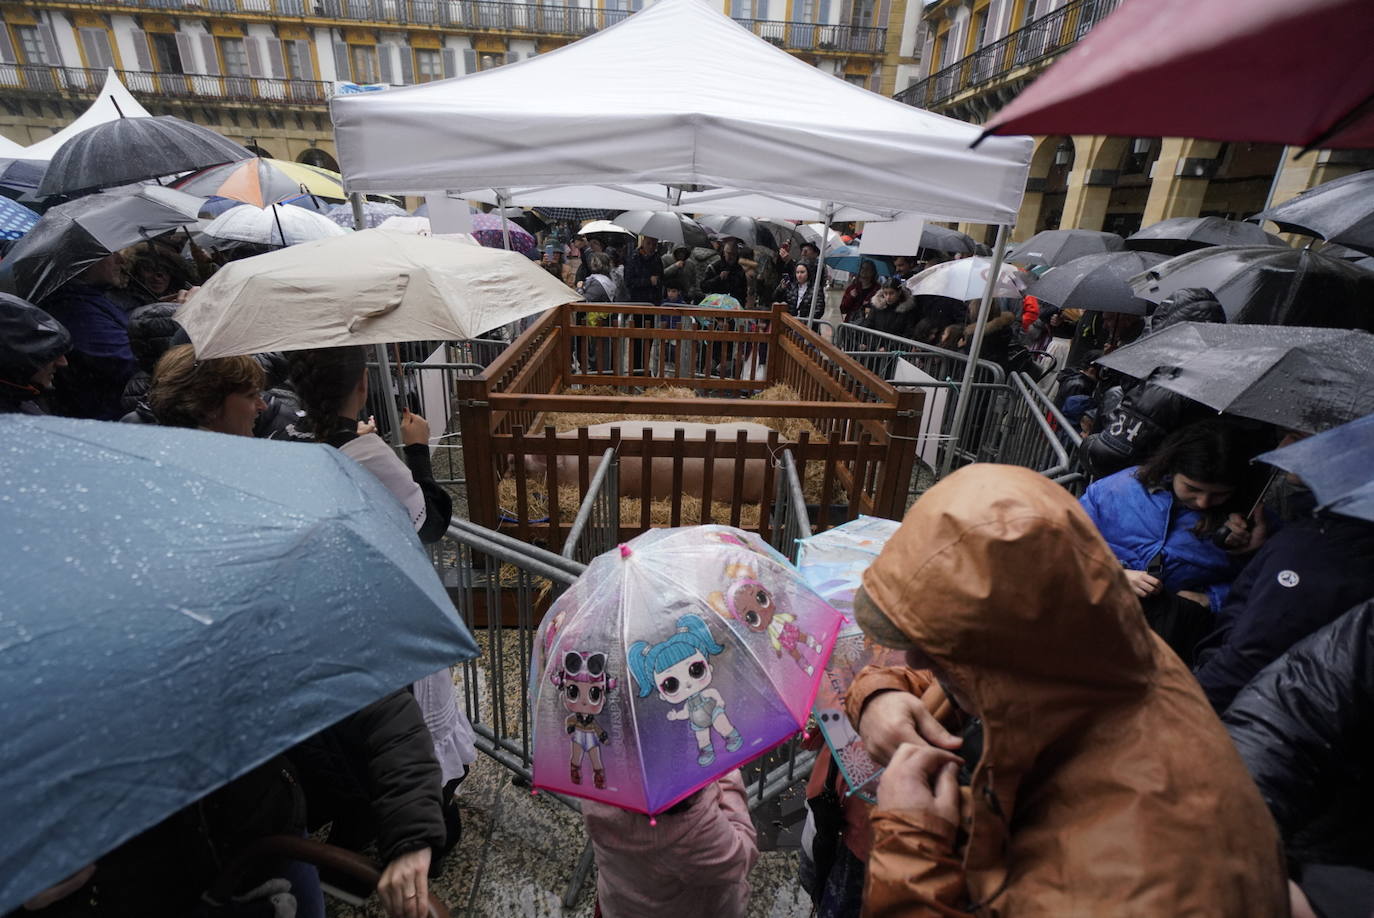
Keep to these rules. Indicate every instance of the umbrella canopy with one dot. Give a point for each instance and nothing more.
(367, 287)
(262, 181)
(1269, 285)
(719, 301)
(487, 230)
(784, 233)
(1340, 211)
(375, 213)
(21, 176)
(212, 602)
(1344, 253)
(1100, 282)
(849, 258)
(15, 219)
(1304, 379)
(833, 563)
(1188, 234)
(133, 150)
(1336, 466)
(1055, 247)
(1270, 71)
(812, 233)
(72, 236)
(276, 224)
(594, 227)
(573, 214)
(965, 279)
(665, 226)
(673, 660)
(745, 229)
(937, 238)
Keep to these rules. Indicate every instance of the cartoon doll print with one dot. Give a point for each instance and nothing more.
(679, 669)
(750, 603)
(583, 683)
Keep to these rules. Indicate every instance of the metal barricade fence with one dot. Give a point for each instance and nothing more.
(791, 522)
(597, 526)
(1037, 436)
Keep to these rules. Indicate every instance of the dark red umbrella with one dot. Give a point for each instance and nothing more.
(1295, 72)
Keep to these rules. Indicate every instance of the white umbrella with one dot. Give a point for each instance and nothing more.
(811, 232)
(965, 279)
(417, 225)
(369, 287)
(279, 224)
(603, 226)
(665, 226)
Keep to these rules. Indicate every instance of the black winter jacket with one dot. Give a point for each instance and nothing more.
(29, 340)
(1302, 578)
(1148, 413)
(375, 769)
(1304, 729)
(735, 282)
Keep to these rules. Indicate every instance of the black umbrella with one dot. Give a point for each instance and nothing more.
(1306, 379)
(745, 229)
(1188, 234)
(1269, 285)
(1101, 282)
(952, 242)
(20, 176)
(665, 226)
(1055, 247)
(1345, 253)
(133, 150)
(785, 233)
(74, 235)
(1339, 211)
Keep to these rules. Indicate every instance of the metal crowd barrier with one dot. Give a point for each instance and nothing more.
(791, 523)
(1036, 435)
(597, 526)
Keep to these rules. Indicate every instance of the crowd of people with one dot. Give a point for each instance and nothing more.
(1044, 753)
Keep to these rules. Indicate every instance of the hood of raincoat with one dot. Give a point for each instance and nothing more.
(1191, 304)
(29, 338)
(1105, 777)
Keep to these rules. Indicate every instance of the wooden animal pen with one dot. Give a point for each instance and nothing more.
(865, 442)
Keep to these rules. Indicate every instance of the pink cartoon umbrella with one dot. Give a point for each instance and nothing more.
(673, 660)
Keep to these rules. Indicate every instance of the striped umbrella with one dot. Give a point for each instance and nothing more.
(261, 181)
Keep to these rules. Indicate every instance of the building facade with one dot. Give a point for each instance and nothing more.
(261, 71)
(976, 55)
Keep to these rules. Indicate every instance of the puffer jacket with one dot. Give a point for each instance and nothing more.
(1105, 785)
(100, 362)
(1302, 728)
(30, 339)
(1147, 413)
(151, 330)
(1140, 525)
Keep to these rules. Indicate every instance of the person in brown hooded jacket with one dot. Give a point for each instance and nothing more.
(1105, 784)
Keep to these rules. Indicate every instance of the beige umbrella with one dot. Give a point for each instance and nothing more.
(368, 287)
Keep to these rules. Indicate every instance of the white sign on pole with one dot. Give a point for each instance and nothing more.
(448, 215)
(892, 237)
(434, 396)
(933, 416)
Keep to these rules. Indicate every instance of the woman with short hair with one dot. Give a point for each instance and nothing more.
(222, 394)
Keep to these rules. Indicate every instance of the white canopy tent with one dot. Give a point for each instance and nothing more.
(113, 102)
(9, 149)
(677, 108)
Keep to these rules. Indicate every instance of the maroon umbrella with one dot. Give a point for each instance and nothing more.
(1295, 72)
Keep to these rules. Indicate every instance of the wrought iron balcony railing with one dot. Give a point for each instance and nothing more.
(1038, 40)
(811, 36)
(86, 81)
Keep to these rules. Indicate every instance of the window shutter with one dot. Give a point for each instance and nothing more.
(342, 71)
(141, 53)
(49, 40)
(761, 9)
(450, 63)
(207, 50)
(407, 65)
(825, 12)
(384, 67)
(303, 55)
(96, 43)
(469, 60)
(6, 47)
(253, 47)
(276, 63)
(187, 49)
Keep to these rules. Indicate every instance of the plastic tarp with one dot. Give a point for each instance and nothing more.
(677, 108)
(113, 102)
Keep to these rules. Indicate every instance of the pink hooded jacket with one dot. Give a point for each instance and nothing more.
(692, 863)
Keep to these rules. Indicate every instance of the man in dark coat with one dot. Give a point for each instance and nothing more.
(1302, 578)
(680, 270)
(1147, 413)
(727, 275)
(101, 361)
(644, 272)
(151, 330)
(1302, 729)
(33, 346)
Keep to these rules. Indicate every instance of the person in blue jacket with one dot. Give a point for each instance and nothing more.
(1159, 518)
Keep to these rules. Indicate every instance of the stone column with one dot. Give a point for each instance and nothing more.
(1090, 183)
(1179, 180)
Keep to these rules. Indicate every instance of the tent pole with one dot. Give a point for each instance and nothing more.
(827, 213)
(956, 429)
(393, 414)
(505, 226)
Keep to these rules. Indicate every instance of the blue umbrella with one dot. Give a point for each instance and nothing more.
(847, 258)
(179, 607)
(15, 219)
(1336, 466)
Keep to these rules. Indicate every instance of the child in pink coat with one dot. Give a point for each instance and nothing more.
(695, 861)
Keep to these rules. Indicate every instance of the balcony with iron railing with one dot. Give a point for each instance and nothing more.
(1035, 43)
(493, 16)
(85, 82)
